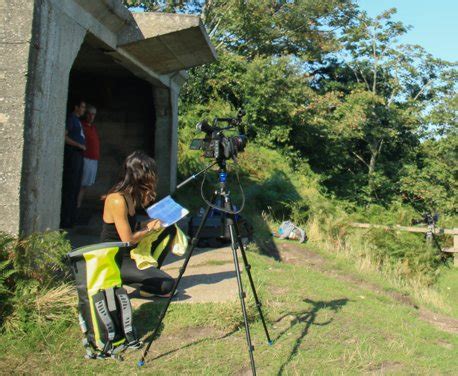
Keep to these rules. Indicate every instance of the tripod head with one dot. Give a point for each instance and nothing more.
(222, 185)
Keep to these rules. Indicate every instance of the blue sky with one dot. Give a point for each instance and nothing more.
(435, 23)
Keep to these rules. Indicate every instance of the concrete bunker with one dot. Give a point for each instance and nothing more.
(136, 65)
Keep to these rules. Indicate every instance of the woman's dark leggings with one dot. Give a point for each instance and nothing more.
(152, 280)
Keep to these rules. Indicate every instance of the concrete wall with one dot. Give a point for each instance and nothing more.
(166, 142)
(15, 42)
(57, 39)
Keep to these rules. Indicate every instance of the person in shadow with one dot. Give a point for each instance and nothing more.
(73, 164)
(91, 154)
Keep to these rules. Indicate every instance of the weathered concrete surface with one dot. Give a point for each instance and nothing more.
(172, 42)
(15, 38)
(57, 39)
(163, 139)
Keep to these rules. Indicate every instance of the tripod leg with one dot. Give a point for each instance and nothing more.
(241, 295)
(250, 278)
(194, 242)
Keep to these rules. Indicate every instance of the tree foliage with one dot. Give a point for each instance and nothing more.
(325, 83)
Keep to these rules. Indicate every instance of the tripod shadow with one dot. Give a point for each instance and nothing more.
(309, 318)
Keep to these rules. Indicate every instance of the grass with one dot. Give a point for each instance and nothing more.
(353, 256)
(320, 325)
(447, 286)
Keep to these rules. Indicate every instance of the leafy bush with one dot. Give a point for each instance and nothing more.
(32, 280)
(41, 256)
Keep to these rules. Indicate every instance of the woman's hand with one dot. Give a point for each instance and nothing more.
(154, 225)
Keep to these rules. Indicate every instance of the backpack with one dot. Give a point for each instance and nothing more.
(288, 230)
(104, 309)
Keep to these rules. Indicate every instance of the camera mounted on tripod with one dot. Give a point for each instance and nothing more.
(216, 144)
(427, 218)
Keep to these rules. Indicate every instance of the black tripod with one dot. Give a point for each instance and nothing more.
(220, 195)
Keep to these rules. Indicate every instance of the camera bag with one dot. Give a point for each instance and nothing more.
(215, 233)
(104, 309)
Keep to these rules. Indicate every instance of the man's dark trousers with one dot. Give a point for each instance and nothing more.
(71, 185)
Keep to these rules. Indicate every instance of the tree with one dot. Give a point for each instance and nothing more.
(383, 107)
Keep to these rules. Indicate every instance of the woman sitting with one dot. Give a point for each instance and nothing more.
(136, 187)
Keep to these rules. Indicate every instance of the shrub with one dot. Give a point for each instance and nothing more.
(41, 256)
(32, 280)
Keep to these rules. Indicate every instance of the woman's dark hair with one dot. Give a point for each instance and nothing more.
(137, 178)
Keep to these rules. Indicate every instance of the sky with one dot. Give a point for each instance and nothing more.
(434, 22)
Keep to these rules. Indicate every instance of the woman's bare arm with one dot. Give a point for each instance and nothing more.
(118, 212)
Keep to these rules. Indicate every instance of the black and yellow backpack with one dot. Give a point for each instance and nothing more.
(105, 312)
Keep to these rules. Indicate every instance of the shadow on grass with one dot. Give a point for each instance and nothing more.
(146, 318)
(269, 195)
(308, 317)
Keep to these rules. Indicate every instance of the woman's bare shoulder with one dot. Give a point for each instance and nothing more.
(115, 200)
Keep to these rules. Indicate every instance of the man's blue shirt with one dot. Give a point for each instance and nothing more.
(74, 129)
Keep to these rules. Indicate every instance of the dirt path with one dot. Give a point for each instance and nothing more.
(293, 254)
(209, 277)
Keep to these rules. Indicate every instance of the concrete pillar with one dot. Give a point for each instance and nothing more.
(165, 139)
(56, 41)
(15, 42)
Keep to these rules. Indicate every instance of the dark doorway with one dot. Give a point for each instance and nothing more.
(125, 117)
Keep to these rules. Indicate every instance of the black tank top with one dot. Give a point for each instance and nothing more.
(109, 232)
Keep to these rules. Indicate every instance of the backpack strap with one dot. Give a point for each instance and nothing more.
(101, 308)
(111, 302)
(126, 316)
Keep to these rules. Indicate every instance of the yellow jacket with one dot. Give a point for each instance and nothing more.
(151, 247)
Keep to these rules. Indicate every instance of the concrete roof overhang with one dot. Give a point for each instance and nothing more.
(170, 43)
(157, 47)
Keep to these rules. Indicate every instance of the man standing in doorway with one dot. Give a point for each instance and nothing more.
(92, 153)
(73, 164)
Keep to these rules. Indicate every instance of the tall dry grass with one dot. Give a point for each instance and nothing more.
(34, 307)
(337, 237)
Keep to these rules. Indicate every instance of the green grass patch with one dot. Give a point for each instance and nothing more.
(320, 325)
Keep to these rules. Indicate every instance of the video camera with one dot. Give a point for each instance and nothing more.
(429, 219)
(216, 144)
